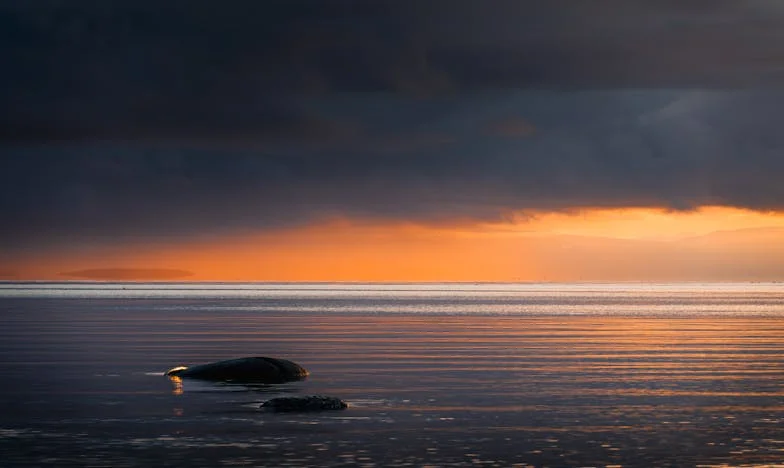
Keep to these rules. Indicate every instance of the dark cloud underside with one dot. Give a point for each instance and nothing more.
(672, 149)
(76, 70)
(154, 120)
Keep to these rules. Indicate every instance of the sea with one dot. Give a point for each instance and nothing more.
(435, 374)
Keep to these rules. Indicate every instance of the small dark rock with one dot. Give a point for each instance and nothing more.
(264, 370)
(304, 403)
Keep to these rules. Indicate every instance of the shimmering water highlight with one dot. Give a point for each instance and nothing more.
(436, 374)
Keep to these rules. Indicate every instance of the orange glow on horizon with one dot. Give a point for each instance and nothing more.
(633, 244)
(654, 224)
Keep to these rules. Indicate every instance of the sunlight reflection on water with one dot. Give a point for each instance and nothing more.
(446, 375)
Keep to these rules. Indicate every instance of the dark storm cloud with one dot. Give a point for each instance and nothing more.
(677, 149)
(87, 69)
(153, 120)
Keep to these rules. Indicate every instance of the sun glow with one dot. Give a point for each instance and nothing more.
(648, 223)
(712, 243)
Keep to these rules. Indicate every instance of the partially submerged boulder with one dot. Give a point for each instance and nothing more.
(304, 403)
(265, 370)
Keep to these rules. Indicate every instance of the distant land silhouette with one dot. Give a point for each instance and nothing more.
(128, 274)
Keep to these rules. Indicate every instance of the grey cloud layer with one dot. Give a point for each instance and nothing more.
(152, 120)
(87, 69)
(679, 149)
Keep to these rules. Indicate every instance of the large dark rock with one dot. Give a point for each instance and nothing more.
(304, 403)
(264, 370)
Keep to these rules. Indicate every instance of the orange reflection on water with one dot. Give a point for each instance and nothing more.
(177, 383)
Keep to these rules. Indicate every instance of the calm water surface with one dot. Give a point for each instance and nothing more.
(538, 375)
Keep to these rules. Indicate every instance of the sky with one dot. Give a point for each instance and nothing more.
(315, 140)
